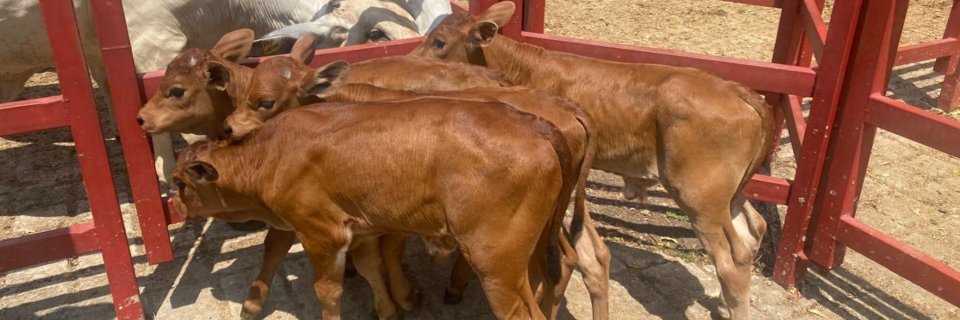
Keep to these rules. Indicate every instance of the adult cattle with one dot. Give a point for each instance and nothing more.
(493, 179)
(344, 22)
(701, 136)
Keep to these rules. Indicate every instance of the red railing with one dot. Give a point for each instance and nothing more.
(831, 146)
(74, 109)
(821, 219)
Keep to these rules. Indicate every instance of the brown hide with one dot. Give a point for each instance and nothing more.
(703, 137)
(481, 172)
(193, 96)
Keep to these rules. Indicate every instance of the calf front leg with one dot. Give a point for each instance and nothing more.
(275, 248)
(326, 246)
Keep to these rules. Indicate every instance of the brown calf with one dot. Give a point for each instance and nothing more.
(593, 255)
(201, 88)
(497, 184)
(701, 136)
(283, 83)
(194, 97)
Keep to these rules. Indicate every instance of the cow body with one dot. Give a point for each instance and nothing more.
(701, 136)
(593, 256)
(472, 171)
(213, 85)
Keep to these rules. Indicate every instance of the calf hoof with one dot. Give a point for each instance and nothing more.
(411, 303)
(244, 315)
(723, 312)
(248, 226)
(396, 316)
(451, 298)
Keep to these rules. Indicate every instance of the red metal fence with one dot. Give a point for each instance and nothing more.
(831, 146)
(820, 221)
(74, 109)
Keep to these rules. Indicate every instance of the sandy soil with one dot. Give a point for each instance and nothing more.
(659, 269)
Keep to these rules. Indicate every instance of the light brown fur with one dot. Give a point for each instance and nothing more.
(703, 137)
(485, 157)
(213, 83)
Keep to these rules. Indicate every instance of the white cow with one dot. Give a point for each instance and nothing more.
(160, 29)
(345, 22)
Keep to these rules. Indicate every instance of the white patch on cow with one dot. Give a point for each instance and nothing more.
(193, 61)
(742, 226)
(342, 254)
(286, 73)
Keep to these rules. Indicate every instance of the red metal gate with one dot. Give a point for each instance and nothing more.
(74, 109)
(820, 223)
(831, 147)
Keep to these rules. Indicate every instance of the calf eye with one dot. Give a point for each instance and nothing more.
(377, 35)
(265, 104)
(439, 44)
(175, 93)
(180, 185)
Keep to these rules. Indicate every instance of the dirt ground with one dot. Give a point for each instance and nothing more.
(659, 270)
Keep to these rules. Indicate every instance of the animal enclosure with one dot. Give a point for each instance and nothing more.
(791, 78)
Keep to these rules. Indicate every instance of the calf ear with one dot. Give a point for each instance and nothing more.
(483, 32)
(329, 78)
(218, 75)
(303, 49)
(499, 13)
(202, 171)
(234, 45)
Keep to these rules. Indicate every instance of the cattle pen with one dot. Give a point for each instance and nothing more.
(846, 88)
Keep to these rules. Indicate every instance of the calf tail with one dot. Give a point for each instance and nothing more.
(767, 134)
(552, 230)
(586, 162)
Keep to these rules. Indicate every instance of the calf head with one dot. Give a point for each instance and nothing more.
(461, 36)
(282, 83)
(192, 97)
(201, 191)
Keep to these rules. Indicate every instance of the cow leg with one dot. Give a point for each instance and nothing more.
(593, 261)
(750, 225)
(326, 246)
(505, 283)
(634, 188)
(709, 206)
(275, 248)
(164, 158)
(459, 279)
(500, 252)
(392, 247)
(369, 262)
(550, 292)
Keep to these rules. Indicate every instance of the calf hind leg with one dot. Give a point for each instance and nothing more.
(594, 264)
(392, 246)
(368, 260)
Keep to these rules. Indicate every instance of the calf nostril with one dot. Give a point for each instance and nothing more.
(140, 121)
(227, 130)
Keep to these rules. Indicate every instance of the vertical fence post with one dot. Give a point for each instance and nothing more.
(790, 266)
(870, 64)
(125, 98)
(92, 155)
